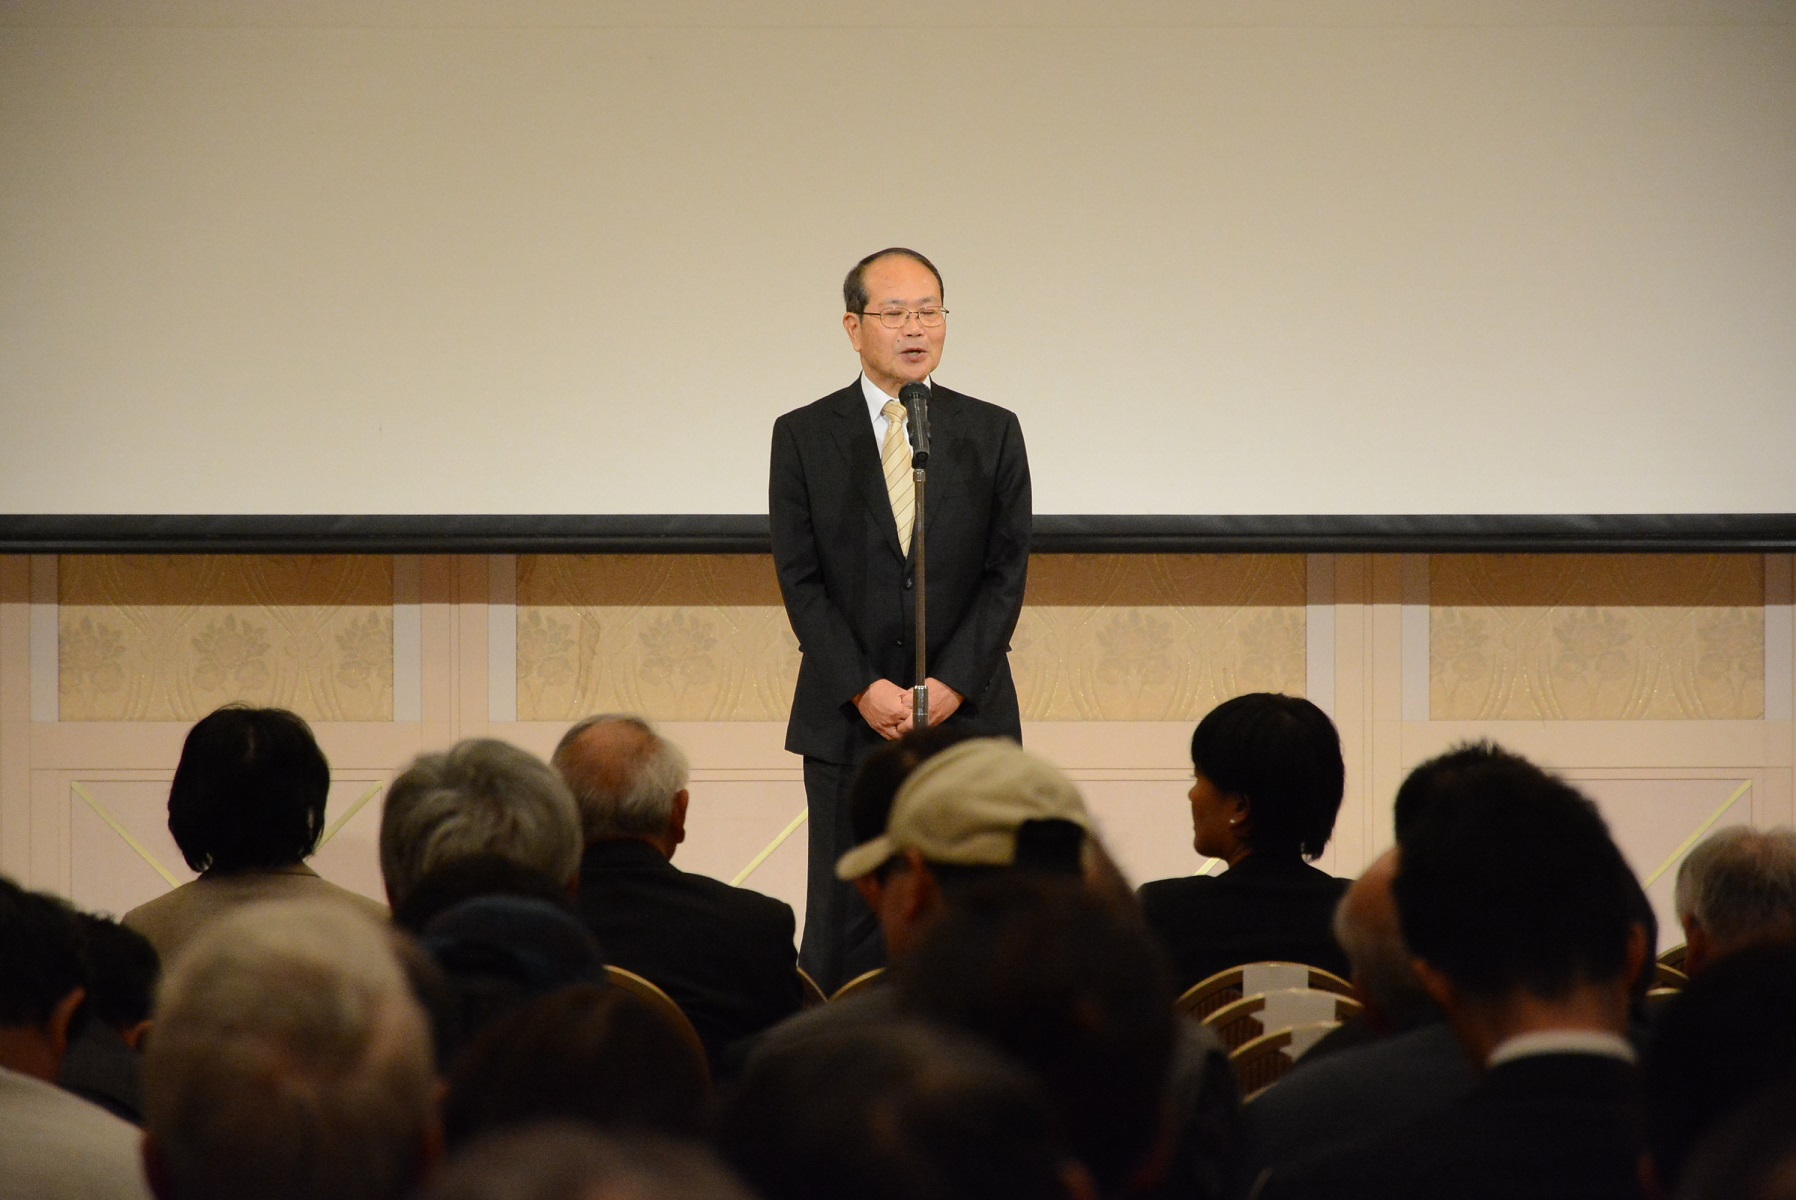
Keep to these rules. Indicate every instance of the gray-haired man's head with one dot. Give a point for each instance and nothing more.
(1737, 889)
(481, 797)
(627, 780)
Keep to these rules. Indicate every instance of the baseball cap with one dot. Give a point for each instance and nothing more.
(963, 808)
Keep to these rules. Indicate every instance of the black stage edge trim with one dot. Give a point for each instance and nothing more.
(747, 534)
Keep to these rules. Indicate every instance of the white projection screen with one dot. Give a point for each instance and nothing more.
(535, 257)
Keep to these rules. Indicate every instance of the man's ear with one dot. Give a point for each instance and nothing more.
(851, 323)
(135, 1035)
(676, 821)
(1699, 948)
(61, 1017)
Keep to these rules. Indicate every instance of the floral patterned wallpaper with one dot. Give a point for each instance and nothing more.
(704, 638)
(171, 638)
(1597, 637)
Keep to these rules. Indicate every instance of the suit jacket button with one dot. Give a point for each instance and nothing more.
(909, 583)
(899, 642)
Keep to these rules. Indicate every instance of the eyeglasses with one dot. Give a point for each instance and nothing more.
(895, 318)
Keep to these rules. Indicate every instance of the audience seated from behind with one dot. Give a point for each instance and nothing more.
(104, 1062)
(975, 809)
(246, 807)
(587, 1053)
(482, 796)
(726, 955)
(982, 810)
(562, 1161)
(1736, 889)
(1269, 781)
(1523, 919)
(290, 1061)
(53, 1144)
(1078, 993)
(895, 1112)
(1405, 1063)
(1727, 1038)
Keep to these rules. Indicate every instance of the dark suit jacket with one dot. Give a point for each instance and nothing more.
(848, 589)
(1360, 1095)
(725, 954)
(1259, 910)
(1547, 1127)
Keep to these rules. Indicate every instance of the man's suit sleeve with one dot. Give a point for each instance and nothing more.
(825, 635)
(976, 649)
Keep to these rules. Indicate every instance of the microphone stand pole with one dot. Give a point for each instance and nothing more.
(915, 397)
(919, 712)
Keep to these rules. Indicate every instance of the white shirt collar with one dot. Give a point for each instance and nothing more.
(1562, 1041)
(876, 402)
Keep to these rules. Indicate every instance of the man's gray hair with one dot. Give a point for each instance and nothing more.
(290, 1060)
(481, 797)
(625, 789)
(1739, 886)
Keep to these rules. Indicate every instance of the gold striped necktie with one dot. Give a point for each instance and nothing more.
(894, 457)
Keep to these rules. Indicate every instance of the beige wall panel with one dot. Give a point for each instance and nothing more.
(169, 638)
(732, 821)
(15, 715)
(1157, 637)
(676, 638)
(1597, 637)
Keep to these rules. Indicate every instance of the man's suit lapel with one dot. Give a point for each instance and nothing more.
(854, 435)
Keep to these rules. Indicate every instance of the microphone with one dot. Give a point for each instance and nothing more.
(915, 398)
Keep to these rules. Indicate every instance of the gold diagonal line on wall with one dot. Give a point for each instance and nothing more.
(1690, 841)
(142, 850)
(347, 817)
(755, 864)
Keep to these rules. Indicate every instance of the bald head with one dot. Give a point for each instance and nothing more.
(1366, 926)
(627, 780)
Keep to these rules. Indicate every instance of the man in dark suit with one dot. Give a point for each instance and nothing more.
(842, 520)
(1523, 920)
(725, 954)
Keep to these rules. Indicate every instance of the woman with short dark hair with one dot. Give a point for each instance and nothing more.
(1267, 785)
(247, 809)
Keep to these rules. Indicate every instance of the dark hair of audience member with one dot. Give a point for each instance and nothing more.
(1749, 1155)
(568, 1161)
(1424, 786)
(249, 791)
(461, 879)
(1283, 756)
(877, 782)
(1514, 882)
(121, 967)
(892, 1112)
(498, 952)
(38, 954)
(1724, 1039)
(594, 1054)
(1074, 991)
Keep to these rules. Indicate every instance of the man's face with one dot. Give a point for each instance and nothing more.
(894, 357)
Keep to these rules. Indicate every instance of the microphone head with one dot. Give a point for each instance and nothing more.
(911, 394)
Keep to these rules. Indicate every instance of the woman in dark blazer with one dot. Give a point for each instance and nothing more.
(1268, 784)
